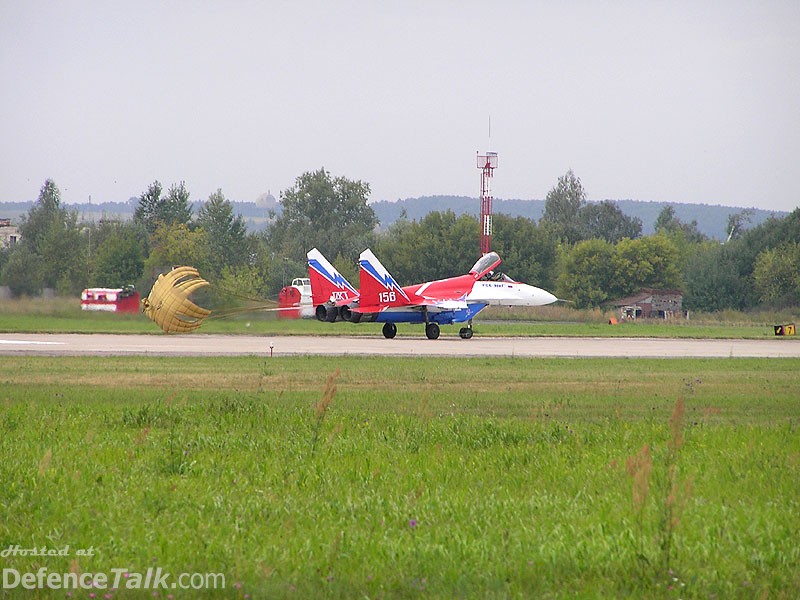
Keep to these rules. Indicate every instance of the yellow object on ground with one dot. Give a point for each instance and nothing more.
(168, 304)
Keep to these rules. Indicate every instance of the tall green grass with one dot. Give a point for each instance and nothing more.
(445, 478)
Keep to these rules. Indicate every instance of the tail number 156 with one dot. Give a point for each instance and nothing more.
(386, 297)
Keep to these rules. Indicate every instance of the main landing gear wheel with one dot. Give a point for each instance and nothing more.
(389, 330)
(465, 333)
(432, 331)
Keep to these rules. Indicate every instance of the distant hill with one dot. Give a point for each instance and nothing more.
(416, 208)
(711, 220)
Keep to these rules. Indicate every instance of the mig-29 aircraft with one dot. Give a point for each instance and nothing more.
(441, 302)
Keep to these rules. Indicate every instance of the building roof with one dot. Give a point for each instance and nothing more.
(642, 295)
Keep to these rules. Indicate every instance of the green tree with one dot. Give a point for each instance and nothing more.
(118, 255)
(244, 281)
(712, 280)
(443, 245)
(5, 254)
(148, 209)
(605, 220)
(649, 262)
(667, 220)
(329, 213)
(768, 235)
(397, 248)
(562, 205)
(777, 274)
(269, 271)
(35, 225)
(669, 224)
(21, 272)
(529, 251)
(596, 271)
(737, 223)
(50, 233)
(228, 244)
(172, 209)
(440, 245)
(175, 245)
(588, 274)
(63, 256)
(178, 209)
(47, 210)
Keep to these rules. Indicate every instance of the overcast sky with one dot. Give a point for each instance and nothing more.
(664, 101)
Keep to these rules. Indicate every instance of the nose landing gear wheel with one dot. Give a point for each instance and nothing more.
(465, 333)
(389, 330)
(432, 331)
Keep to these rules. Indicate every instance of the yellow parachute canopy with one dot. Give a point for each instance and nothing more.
(168, 304)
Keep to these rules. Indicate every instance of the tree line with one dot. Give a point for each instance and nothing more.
(589, 253)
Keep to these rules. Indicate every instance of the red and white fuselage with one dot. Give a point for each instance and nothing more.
(441, 302)
(480, 286)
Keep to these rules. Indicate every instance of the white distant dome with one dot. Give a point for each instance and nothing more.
(266, 201)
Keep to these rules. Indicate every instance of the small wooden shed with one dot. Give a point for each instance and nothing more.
(650, 304)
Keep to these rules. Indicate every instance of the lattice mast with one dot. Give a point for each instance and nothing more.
(487, 163)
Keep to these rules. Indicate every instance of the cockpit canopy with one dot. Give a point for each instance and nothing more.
(485, 263)
(497, 276)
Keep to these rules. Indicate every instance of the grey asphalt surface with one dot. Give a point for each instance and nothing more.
(238, 345)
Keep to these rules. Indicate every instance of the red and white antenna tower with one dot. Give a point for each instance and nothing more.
(487, 163)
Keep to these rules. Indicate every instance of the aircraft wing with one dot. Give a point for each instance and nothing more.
(449, 304)
(432, 305)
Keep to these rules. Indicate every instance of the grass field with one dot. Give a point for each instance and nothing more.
(413, 478)
(64, 316)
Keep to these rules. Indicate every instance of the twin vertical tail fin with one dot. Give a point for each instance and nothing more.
(327, 284)
(378, 287)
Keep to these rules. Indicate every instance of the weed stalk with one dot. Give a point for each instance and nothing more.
(674, 496)
(640, 467)
(673, 499)
(322, 408)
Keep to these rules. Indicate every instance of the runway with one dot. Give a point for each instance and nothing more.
(30, 344)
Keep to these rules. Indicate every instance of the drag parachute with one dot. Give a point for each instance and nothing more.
(168, 304)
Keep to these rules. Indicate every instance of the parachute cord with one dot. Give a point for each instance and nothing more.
(229, 312)
(242, 296)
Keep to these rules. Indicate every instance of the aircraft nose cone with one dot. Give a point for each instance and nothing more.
(540, 297)
(548, 298)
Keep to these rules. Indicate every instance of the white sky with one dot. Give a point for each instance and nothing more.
(669, 101)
